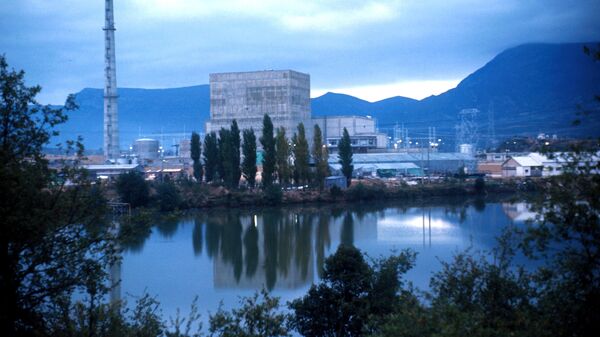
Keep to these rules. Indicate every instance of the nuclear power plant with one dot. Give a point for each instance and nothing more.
(111, 111)
(247, 96)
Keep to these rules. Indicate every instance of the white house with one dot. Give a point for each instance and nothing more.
(522, 166)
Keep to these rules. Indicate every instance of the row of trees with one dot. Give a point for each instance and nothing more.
(284, 160)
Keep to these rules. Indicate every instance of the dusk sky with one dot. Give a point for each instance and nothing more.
(369, 49)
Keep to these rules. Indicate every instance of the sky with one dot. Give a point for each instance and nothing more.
(368, 49)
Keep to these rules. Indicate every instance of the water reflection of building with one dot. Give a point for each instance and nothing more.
(275, 252)
(519, 211)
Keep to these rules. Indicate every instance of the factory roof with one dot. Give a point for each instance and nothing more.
(526, 161)
(379, 166)
(394, 157)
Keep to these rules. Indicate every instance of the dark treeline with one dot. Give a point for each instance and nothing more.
(283, 160)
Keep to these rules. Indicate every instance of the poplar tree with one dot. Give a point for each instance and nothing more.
(268, 143)
(320, 155)
(196, 151)
(282, 147)
(249, 152)
(225, 166)
(211, 156)
(345, 154)
(301, 156)
(235, 143)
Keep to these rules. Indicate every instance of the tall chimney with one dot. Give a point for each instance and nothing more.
(111, 117)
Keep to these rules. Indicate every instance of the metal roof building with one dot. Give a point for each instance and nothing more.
(410, 163)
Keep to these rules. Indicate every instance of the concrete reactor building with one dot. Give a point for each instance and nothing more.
(247, 96)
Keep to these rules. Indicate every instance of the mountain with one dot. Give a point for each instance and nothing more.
(527, 89)
(141, 112)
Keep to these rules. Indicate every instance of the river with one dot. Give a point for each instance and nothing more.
(219, 255)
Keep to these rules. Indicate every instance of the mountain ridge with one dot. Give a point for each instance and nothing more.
(529, 89)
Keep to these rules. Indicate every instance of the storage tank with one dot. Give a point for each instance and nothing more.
(146, 148)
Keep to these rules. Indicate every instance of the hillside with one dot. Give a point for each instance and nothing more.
(529, 89)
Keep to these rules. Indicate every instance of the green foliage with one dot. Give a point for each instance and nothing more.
(345, 154)
(235, 140)
(269, 157)
(249, 152)
(282, 147)
(472, 296)
(479, 185)
(362, 192)
(301, 156)
(168, 197)
(225, 166)
(273, 195)
(351, 296)
(196, 151)
(211, 156)
(566, 237)
(321, 156)
(133, 189)
(257, 316)
(53, 236)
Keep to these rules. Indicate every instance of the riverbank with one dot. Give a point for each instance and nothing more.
(203, 196)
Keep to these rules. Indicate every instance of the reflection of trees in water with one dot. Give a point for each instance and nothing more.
(347, 233)
(303, 244)
(197, 239)
(285, 242)
(323, 240)
(167, 226)
(270, 227)
(231, 243)
(251, 249)
(213, 235)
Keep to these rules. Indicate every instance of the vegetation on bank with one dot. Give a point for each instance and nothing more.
(186, 194)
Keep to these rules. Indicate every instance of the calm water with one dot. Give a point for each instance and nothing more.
(223, 254)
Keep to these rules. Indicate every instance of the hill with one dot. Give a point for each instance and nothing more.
(528, 89)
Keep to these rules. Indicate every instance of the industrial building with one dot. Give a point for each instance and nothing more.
(247, 96)
(406, 163)
(362, 130)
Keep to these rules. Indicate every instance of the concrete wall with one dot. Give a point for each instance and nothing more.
(247, 96)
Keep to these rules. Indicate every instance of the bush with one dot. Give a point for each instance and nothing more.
(167, 197)
(273, 195)
(365, 192)
(133, 189)
(479, 185)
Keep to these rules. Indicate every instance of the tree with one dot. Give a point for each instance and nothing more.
(133, 189)
(52, 234)
(301, 156)
(249, 151)
(196, 151)
(268, 144)
(211, 156)
(257, 316)
(565, 237)
(321, 156)
(282, 147)
(345, 154)
(351, 294)
(235, 154)
(225, 166)
(168, 197)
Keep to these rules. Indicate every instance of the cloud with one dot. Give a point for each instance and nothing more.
(367, 47)
(294, 15)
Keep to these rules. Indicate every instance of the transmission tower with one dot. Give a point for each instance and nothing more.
(491, 143)
(466, 130)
